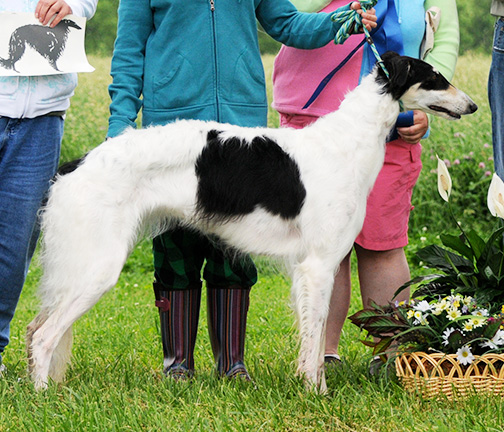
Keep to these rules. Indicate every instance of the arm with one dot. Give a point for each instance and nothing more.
(443, 57)
(46, 9)
(310, 5)
(134, 27)
(282, 21)
(446, 39)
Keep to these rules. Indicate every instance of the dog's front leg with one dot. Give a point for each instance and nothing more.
(311, 292)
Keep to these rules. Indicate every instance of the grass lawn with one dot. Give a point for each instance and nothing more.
(115, 382)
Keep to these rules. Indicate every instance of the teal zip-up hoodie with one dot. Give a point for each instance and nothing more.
(199, 59)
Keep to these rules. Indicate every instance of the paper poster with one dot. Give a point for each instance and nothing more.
(27, 48)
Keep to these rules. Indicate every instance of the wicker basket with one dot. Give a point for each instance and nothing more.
(437, 374)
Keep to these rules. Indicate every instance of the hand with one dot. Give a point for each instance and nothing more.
(368, 17)
(413, 134)
(46, 9)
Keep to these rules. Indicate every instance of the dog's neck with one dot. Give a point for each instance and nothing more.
(369, 111)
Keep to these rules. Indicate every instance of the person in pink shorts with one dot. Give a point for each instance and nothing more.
(382, 264)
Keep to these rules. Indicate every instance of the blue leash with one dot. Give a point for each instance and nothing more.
(329, 76)
(349, 20)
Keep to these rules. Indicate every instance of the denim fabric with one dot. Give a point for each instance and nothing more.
(496, 97)
(29, 153)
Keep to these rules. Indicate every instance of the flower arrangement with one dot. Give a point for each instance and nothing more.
(460, 308)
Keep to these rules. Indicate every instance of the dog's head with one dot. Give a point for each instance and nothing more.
(66, 23)
(419, 86)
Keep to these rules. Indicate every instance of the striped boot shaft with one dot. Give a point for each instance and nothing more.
(227, 320)
(179, 315)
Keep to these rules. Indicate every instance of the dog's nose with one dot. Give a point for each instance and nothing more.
(472, 107)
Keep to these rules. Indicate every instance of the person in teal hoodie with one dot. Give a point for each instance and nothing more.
(200, 60)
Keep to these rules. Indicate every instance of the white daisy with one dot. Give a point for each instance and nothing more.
(464, 355)
(446, 335)
(498, 339)
(488, 344)
(453, 314)
(423, 306)
(481, 312)
(478, 322)
(468, 325)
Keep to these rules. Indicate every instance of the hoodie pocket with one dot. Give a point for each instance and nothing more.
(177, 88)
(248, 84)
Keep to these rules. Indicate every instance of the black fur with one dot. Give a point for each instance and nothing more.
(403, 76)
(69, 167)
(48, 42)
(234, 177)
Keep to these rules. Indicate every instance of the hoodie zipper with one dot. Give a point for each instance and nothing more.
(214, 40)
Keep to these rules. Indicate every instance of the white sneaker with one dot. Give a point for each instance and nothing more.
(3, 370)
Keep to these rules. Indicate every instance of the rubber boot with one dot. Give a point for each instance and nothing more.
(227, 321)
(179, 314)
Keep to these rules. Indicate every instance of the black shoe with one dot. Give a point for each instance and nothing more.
(332, 360)
(179, 372)
(376, 366)
(238, 371)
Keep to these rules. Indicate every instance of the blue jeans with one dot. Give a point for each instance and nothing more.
(496, 97)
(29, 154)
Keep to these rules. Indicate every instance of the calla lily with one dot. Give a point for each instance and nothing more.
(495, 200)
(444, 180)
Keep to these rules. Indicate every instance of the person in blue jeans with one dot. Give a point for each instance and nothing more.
(32, 112)
(496, 88)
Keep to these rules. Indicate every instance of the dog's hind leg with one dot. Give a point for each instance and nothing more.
(61, 355)
(17, 47)
(311, 291)
(51, 332)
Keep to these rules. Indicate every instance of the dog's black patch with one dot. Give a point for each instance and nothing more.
(70, 166)
(407, 71)
(234, 177)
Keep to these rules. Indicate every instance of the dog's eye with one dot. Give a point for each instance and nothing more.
(435, 82)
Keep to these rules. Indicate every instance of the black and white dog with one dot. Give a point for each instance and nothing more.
(297, 194)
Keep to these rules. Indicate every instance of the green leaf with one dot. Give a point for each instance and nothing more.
(363, 316)
(384, 325)
(457, 244)
(382, 345)
(415, 281)
(493, 254)
(476, 242)
(455, 339)
(437, 257)
(491, 329)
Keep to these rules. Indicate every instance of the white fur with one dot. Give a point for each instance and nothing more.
(140, 181)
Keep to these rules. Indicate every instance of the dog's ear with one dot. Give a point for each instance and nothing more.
(398, 68)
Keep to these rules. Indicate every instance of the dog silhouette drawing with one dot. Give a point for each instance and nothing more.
(48, 42)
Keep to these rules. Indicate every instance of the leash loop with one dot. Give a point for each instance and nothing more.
(349, 20)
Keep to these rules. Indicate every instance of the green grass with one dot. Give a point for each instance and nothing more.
(115, 381)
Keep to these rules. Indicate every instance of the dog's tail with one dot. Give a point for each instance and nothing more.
(70, 166)
(6, 63)
(17, 47)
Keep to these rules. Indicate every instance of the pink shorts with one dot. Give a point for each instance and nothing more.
(389, 203)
